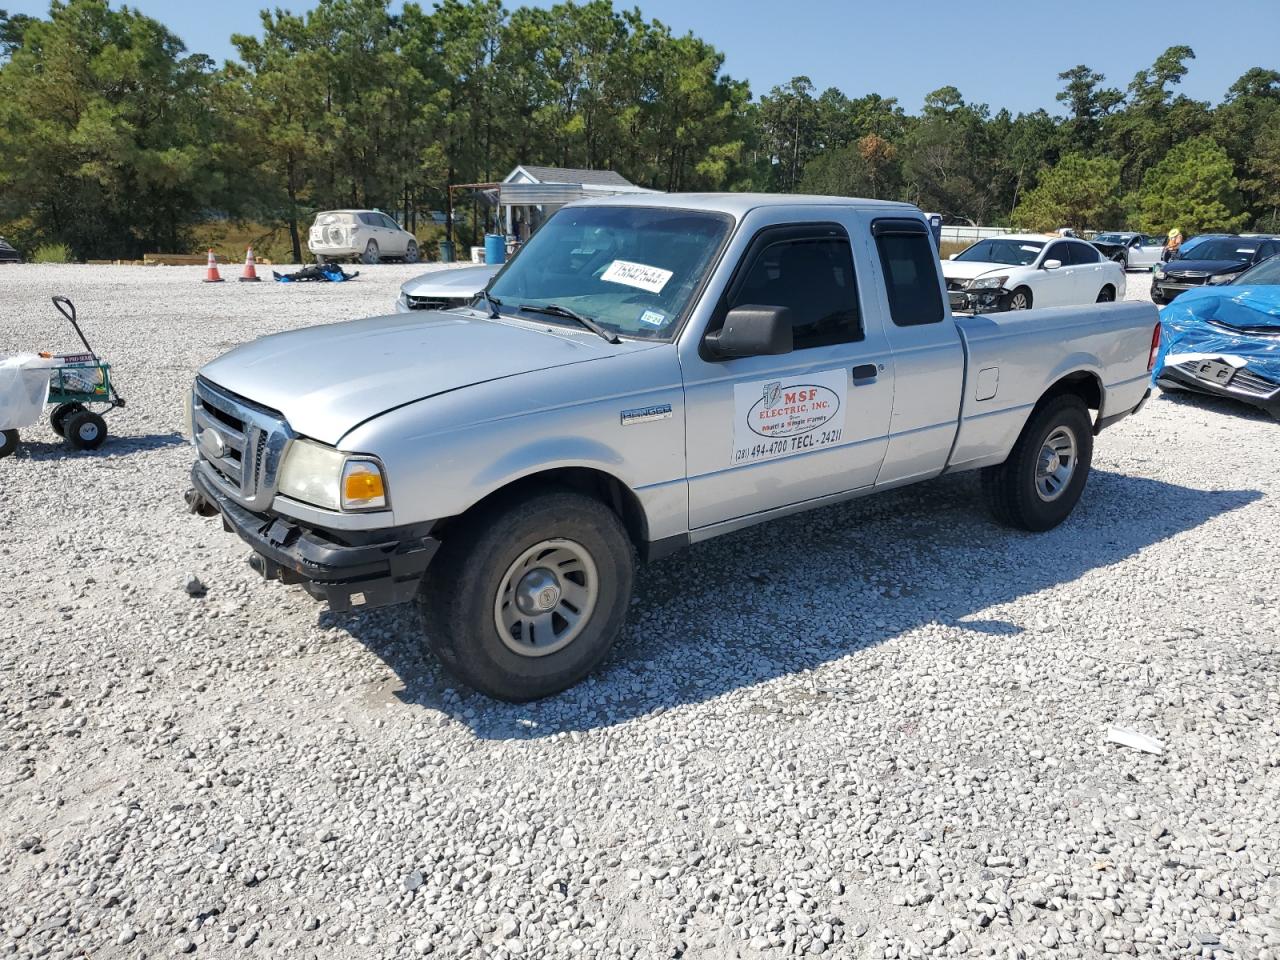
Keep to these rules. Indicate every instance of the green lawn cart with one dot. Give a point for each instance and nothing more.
(74, 384)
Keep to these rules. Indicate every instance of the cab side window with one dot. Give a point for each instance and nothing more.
(1057, 251)
(810, 272)
(910, 272)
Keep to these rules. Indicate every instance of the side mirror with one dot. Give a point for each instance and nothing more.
(752, 331)
(1052, 264)
(953, 256)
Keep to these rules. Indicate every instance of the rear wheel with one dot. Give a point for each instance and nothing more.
(85, 430)
(58, 419)
(8, 443)
(1039, 485)
(371, 254)
(1107, 294)
(1020, 299)
(411, 253)
(530, 596)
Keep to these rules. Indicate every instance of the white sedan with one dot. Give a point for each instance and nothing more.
(368, 235)
(1021, 271)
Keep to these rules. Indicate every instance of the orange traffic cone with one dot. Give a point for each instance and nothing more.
(212, 275)
(250, 274)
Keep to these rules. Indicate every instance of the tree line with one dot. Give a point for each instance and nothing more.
(115, 139)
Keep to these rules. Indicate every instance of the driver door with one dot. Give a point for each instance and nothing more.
(766, 432)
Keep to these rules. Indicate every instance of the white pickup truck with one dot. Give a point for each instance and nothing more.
(648, 372)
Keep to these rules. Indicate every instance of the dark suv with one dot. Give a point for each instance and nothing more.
(1212, 260)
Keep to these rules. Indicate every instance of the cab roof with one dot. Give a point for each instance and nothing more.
(739, 204)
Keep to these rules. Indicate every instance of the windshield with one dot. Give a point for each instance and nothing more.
(1228, 249)
(1267, 272)
(1111, 238)
(633, 270)
(1013, 252)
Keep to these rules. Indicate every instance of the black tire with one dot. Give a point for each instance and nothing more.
(371, 253)
(1020, 299)
(1011, 489)
(411, 252)
(461, 598)
(9, 443)
(58, 419)
(85, 430)
(1106, 295)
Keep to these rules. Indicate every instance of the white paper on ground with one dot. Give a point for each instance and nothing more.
(1131, 738)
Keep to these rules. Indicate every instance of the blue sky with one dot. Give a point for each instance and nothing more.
(1006, 53)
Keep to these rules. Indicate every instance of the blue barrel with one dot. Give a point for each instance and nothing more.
(495, 248)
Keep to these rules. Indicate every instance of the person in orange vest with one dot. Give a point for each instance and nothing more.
(1172, 245)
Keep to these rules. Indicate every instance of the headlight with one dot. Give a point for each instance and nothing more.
(1158, 271)
(325, 477)
(988, 283)
(1224, 278)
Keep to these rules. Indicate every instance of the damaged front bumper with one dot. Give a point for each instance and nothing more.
(1217, 378)
(983, 300)
(344, 568)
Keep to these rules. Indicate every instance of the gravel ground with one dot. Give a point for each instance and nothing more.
(874, 730)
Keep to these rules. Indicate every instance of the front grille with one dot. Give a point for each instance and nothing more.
(955, 285)
(435, 303)
(1191, 279)
(1249, 382)
(241, 443)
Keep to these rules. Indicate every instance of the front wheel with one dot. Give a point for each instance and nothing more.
(85, 430)
(8, 443)
(371, 254)
(1038, 486)
(1020, 299)
(411, 253)
(527, 599)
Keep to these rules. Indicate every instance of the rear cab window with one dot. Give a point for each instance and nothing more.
(910, 269)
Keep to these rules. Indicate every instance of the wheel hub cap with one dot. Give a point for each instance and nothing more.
(537, 592)
(546, 598)
(1056, 463)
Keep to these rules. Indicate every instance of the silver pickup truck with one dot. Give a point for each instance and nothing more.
(647, 373)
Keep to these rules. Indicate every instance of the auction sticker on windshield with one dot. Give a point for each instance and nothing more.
(638, 275)
(783, 417)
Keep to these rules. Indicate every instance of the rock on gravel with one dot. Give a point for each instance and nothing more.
(875, 730)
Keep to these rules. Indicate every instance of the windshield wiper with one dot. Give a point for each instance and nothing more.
(555, 310)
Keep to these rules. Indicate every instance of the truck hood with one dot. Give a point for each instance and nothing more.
(968, 269)
(326, 380)
(456, 282)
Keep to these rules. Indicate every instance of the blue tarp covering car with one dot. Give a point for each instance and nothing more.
(1225, 341)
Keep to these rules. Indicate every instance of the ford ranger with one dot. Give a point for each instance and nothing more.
(648, 372)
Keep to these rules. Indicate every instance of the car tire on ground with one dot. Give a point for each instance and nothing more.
(1020, 299)
(8, 443)
(1107, 294)
(526, 599)
(411, 252)
(1038, 486)
(85, 430)
(58, 419)
(371, 254)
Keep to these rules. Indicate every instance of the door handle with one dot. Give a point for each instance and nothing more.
(865, 371)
